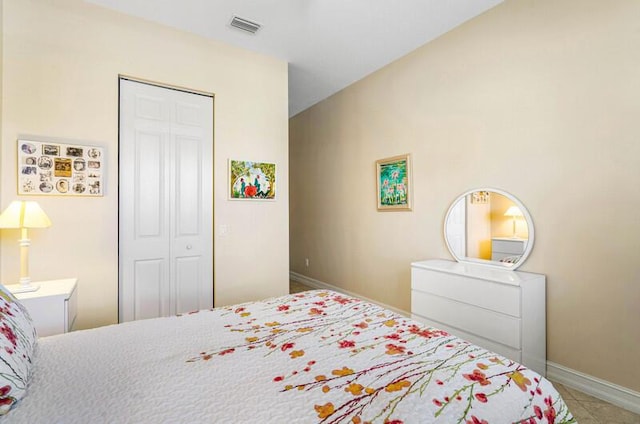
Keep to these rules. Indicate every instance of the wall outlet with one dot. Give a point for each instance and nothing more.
(306, 262)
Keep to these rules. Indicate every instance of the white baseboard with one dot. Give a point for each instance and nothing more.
(317, 284)
(596, 387)
(601, 389)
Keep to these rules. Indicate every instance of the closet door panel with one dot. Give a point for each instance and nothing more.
(166, 201)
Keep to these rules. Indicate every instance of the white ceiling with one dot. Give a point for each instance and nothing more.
(329, 44)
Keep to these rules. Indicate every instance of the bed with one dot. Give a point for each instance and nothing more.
(312, 357)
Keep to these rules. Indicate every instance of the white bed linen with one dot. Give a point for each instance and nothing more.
(278, 361)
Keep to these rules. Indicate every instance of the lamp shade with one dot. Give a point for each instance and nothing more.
(513, 211)
(24, 214)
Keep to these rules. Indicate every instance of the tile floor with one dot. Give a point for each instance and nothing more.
(589, 410)
(586, 409)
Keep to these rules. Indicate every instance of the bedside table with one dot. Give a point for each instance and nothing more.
(53, 307)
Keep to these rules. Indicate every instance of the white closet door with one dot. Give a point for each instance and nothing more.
(166, 201)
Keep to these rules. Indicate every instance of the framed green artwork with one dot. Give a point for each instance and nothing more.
(252, 180)
(393, 178)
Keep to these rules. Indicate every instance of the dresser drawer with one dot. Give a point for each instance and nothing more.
(498, 309)
(491, 325)
(502, 298)
(506, 351)
(515, 247)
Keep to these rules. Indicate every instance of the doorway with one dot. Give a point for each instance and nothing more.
(165, 201)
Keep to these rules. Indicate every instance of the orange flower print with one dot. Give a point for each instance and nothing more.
(482, 366)
(426, 333)
(520, 380)
(272, 324)
(369, 390)
(397, 386)
(320, 378)
(325, 389)
(394, 349)
(390, 323)
(315, 311)
(251, 339)
(354, 388)
(245, 314)
(496, 361)
(296, 354)
(341, 300)
(343, 372)
(478, 376)
(304, 330)
(324, 410)
(362, 325)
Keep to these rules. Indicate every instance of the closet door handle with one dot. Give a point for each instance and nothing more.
(189, 247)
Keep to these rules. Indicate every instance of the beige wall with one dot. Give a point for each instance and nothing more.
(61, 64)
(539, 98)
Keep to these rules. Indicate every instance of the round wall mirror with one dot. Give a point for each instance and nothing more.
(490, 227)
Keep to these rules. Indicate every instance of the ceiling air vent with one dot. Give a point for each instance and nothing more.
(245, 25)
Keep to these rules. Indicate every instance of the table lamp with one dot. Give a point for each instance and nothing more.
(24, 215)
(514, 212)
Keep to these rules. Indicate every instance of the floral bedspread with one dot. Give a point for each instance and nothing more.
(314, 357)
(360, 363)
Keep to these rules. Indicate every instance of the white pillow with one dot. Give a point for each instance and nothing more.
(18, 341)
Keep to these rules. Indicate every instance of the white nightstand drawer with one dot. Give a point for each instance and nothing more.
(501, 298)
(493, 326)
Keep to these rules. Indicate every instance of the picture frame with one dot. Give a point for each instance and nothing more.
(480, 197)
(59, 169)
(394, 184)
(250, 180)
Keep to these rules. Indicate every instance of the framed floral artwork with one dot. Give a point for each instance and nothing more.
(393, 178)
(252, 180)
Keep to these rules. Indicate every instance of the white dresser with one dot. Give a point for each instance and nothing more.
(53, 307)
(500, 310)
(501, 247)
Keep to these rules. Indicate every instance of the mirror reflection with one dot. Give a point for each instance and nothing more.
(487, 225)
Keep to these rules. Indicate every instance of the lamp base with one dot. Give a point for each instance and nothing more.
(22, 288)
